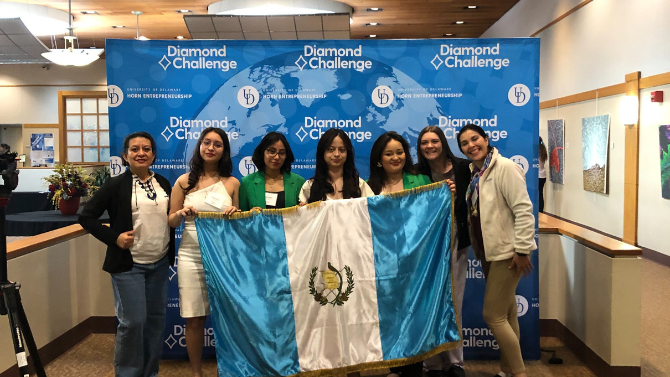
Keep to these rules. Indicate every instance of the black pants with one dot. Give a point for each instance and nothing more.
(542, 182)
(412, 370)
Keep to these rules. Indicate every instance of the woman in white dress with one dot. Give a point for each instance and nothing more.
(209, 187)
(335, 176)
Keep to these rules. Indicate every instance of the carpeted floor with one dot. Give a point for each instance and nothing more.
(94, 356)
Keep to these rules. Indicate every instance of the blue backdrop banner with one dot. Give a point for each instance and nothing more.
(175, 89)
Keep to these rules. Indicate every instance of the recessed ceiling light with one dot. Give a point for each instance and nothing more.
(372, 36)
(180, 37)
(143, 38)
(118, 26)
(449, 35)
(471, 7)
(88, 12)
(373, 24)
(374, 9)
(184, 11)
(459, 22)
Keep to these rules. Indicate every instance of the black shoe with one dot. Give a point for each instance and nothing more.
(435, 373)
(455, 371)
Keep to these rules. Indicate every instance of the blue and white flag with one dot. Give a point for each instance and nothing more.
(332, 287)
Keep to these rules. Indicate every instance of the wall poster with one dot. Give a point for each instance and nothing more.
(595, 141)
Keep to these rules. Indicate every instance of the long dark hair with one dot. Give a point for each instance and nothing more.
(475, 128)
(126, 144)
(320, 185)
(224, 167)
(543, 151)
(258, 157)
(422, 166)
(377, 173)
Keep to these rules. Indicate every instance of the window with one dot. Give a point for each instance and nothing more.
(85, 127)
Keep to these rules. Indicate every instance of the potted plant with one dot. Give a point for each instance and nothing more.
(66, 187)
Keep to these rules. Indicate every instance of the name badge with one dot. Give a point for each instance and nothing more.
(215, 200)
(271, 199)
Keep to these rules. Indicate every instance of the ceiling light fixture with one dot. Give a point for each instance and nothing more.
(374, 9)
(373, 24)
(459, 22)
(372, 36)
(71, 55)
(277, 7)
(471, 7)
(118, 26)
(88, 12)
(449, 35)
(138, 37)
(184, 11)
(180, 37)
(39, 20)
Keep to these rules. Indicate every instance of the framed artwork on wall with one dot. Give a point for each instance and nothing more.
(556, 141)
(664, 140)
(595, 141)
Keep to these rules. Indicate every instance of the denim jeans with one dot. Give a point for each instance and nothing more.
(140, 298)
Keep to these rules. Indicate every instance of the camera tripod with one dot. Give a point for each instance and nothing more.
(11, 306)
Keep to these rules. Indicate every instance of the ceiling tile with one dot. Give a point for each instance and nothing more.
(198, 24)
(336, 34)
(204, 36)
(237, 36)
(5, 41)
(281, 23)
(13, 26)
(336, 22)
(257, 36)
(310, 35)
(308, 23)
(227, 23)
(283, 35)
(254, 24)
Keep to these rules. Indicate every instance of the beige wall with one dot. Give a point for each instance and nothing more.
(61, 286)
(595, 296)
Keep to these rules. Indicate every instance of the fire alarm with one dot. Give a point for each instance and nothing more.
(657, 96)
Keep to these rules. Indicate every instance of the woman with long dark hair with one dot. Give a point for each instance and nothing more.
(436, 160)
(140, 250)
(391, 167)
(273, 185)
(335, 176)
(542, 173)
(502, 230)
(208, 186)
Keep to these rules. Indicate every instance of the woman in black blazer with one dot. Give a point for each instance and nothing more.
(140, 249)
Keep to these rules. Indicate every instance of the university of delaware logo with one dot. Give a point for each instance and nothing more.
(332, 285)
(247, 96)
(382, 96)
(114, 96)
(518, 95)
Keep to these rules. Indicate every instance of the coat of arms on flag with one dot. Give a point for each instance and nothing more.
(332, 287)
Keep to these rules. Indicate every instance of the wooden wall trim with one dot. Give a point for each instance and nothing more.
(41, 125)
(631, 165)
(566, 14)
(655, 80)
(29, 244)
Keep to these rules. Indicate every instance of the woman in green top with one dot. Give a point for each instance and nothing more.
(273, 185)
(391, 167)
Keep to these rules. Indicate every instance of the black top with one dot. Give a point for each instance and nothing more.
(461, 169)
(281, 200)
(115, 197)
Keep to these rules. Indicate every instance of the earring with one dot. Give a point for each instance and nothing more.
(379, 164)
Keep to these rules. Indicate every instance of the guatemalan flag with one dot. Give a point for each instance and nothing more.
(332, 287)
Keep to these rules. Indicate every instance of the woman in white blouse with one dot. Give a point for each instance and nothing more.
(335, 176)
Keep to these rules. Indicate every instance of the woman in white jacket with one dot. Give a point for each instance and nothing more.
(502, 231)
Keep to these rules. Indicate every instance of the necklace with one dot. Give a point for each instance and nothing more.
(148, 188)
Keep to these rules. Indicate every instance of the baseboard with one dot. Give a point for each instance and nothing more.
(554, 328)
(60, 345)
(652, 255)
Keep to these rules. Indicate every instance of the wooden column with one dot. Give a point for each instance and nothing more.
(631, 164)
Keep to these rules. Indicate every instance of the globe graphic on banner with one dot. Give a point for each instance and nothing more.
(254, 103)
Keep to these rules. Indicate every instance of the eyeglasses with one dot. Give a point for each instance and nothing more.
(273, 152)
(207, 143)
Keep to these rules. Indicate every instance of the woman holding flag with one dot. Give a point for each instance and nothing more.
(208, 186)
(335, 176)
(502, 230)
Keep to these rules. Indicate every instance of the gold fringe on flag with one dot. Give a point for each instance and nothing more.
(290, 210)
(378, 364)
